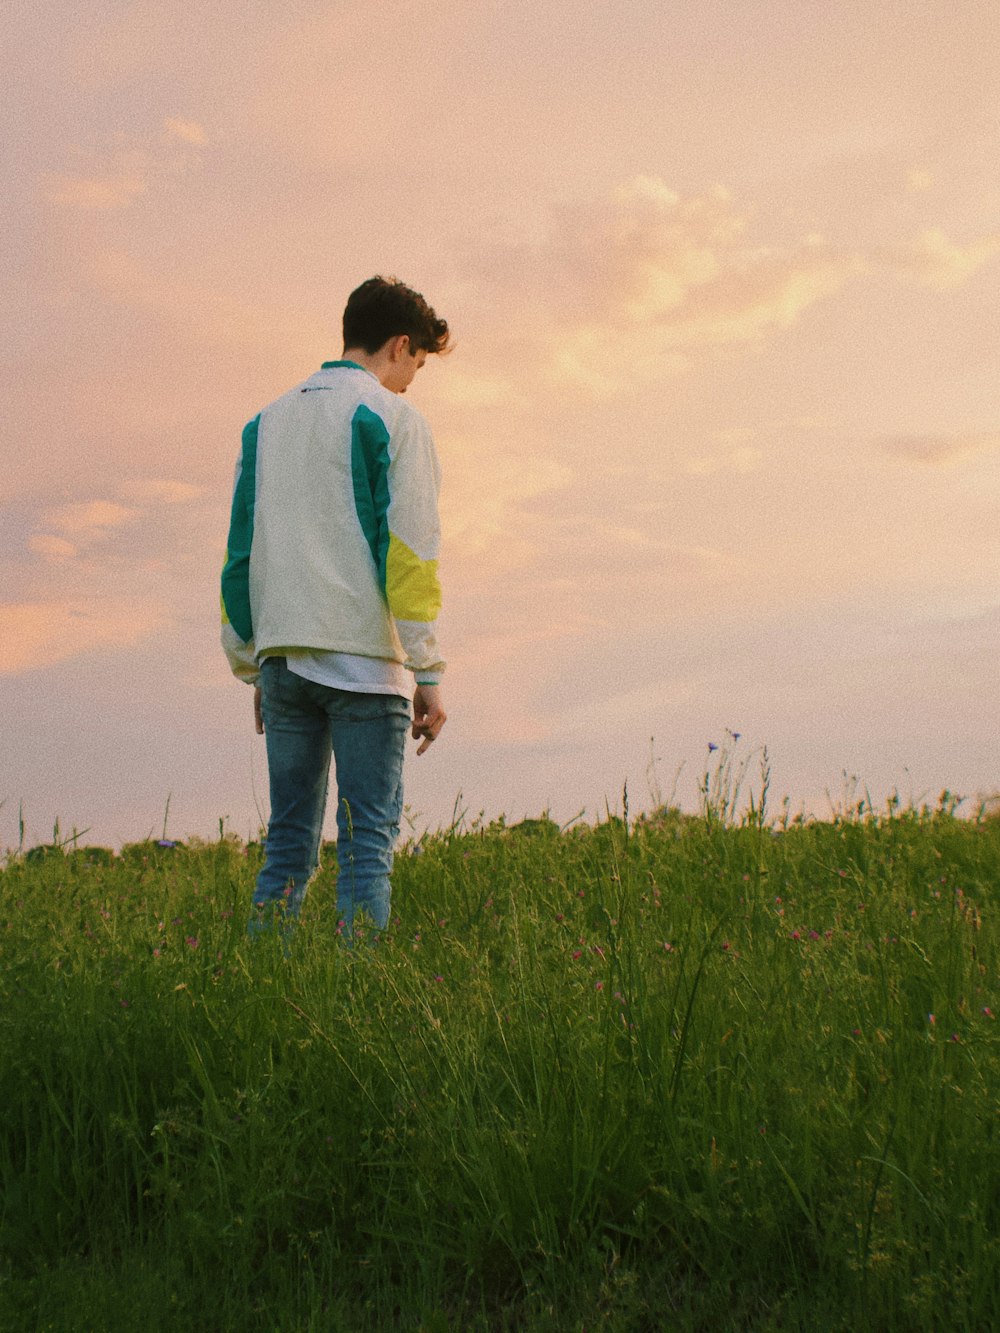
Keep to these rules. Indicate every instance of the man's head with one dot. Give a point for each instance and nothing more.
(384, 308)
(390, 329)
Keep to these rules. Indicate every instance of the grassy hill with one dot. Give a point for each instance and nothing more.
(679, 1073)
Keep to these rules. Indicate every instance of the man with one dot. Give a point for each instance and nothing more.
(330, 596)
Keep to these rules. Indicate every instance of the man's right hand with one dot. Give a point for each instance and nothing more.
(428, 715)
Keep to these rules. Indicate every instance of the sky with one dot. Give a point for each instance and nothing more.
(720, 433)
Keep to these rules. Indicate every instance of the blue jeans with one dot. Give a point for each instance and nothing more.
(304, 723)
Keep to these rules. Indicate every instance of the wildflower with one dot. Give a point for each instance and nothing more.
(736, 735)
(987, 1011)
(796, 935)
(439, 978)
(156, 953)
(954, 1037)
(191, 941)
(560, 917)
(712, 747)
(598, 985)
(931, 1019)
(577, 954)
(667, 947)
(814, 934)
(725, 946)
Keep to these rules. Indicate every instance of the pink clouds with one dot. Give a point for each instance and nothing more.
(933, 258)
(942, 450)
(115, 190)
(34, 635)
(640, 283)
(644, 281)
(131, 167)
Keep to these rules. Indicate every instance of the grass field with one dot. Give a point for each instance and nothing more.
(685, 1073)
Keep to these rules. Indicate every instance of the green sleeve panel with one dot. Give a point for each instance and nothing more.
(370, 474)
(236, 570)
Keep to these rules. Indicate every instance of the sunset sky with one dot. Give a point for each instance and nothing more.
(720, 435)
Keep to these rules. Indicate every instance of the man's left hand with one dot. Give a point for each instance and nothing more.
(428, 715)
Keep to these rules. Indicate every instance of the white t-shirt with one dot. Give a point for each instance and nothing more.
(350, 671)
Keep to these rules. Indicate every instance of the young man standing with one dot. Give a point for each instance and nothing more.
(330, 596)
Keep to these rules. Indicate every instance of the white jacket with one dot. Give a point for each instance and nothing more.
(334, 532)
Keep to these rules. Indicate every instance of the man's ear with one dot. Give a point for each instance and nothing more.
(400, 346)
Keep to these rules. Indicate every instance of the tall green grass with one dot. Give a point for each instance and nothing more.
(678, 1073)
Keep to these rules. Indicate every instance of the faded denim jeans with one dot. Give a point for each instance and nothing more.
(304, 725)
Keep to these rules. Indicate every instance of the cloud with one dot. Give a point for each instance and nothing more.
(485, 503)
(78, 526)
(93, 533)
(683, 268)
(113, 178)
(645, 281)
(89, 518)
(941, 450)
(940, 263)
(743, 459)
(52, 548)
(642, 282)
(97, 193)
(648, 566)
(39, 634)
(918, 180)
(160, 490)
(187, 131)
(466, 390)
(207, 313)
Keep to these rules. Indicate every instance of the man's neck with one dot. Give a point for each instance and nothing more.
(374, 362)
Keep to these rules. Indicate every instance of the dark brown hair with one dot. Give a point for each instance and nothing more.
(384, 308)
